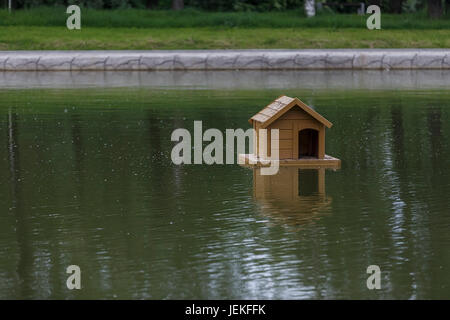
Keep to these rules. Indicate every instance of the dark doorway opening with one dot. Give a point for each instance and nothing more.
(308, 143)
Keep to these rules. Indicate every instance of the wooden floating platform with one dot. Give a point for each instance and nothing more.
(306, 162)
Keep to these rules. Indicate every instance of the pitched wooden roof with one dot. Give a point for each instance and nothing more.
(282, 105)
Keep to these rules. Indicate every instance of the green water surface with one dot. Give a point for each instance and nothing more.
(86, 179)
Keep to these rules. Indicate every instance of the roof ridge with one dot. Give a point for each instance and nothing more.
(279, 110)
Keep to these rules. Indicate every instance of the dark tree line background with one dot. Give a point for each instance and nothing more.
(435, 7)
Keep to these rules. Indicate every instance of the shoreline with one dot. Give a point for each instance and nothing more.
(210, 60)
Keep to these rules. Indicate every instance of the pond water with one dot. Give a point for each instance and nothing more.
(86, 178)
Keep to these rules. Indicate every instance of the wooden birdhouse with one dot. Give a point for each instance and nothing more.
(301, 134)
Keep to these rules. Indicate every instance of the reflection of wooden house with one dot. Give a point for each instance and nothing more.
(301, 134)
(295, 196)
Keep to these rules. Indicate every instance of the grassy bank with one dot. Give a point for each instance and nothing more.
(44, 29)
(48, 38)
